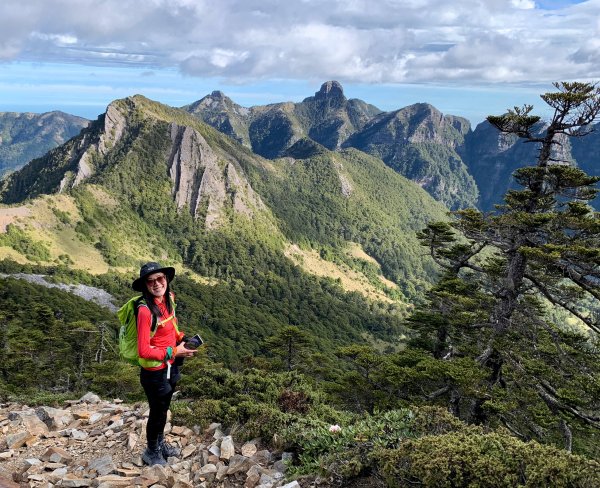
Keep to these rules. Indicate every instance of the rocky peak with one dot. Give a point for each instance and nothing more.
(421, 111)
(221, 112)
(216, 99)
(114, 125)
(330, 90)
(424, 123)
(486, 140)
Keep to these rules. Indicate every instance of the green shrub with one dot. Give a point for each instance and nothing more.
(476, 459)
(117, 379)
(34, 397)
(17, 239)
(9, 266)
(428, 447)
(345, 451)
(206, 411)
(257, 420)
(85, 231)
(433, 420)
(199, 412)
(62, 216)
(250, 419)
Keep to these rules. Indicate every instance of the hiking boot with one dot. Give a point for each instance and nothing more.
(152, 456)
(167, 449)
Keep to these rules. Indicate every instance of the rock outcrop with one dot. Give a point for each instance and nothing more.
(204, 182)
(98, 443)
(95, 145)
(223, 114)
(90, 293)
(332, 117)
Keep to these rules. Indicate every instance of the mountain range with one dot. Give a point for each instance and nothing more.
(327, 183)
(418, 141)
(293, 229)
(25, 136)
(317, 239)
(200, 199)
(456, 164)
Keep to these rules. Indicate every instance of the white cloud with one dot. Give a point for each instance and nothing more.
(59, 39)
(475, 41)
(222, 58)
(523, 4)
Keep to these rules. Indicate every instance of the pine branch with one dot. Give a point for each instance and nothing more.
(580, 280)
(550, 396)
(511, 428)
(556, 301)
(438, 393)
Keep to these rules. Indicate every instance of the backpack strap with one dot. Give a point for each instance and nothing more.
(174, 307)
(140, 302)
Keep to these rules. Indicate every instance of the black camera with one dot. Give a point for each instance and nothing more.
(193, 342)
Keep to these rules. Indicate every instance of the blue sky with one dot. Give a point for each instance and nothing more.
(469, 58)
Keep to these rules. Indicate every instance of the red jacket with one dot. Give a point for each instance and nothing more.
(165, 336)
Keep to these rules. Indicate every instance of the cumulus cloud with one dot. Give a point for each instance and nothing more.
(350, 40)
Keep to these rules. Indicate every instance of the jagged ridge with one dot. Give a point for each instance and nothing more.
(418, 141)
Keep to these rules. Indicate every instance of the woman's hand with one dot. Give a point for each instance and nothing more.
(184, 352)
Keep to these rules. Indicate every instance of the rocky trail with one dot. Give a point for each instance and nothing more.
(98, 443)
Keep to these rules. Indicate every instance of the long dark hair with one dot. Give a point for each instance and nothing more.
(149, 299)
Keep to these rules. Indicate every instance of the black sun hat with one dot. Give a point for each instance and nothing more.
(151, 268)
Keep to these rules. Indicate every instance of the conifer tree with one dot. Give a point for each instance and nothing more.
(521, 287)
(289, 344)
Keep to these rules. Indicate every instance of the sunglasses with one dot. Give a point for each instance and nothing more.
(159, 279)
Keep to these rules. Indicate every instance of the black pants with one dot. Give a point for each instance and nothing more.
(159, 391)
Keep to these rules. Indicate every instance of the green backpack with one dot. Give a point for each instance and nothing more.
(128, 347)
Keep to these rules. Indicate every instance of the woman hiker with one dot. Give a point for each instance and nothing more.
(159, 343)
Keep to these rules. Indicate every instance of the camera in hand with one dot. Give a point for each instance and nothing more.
(193, 342)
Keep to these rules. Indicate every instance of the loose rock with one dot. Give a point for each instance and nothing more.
(96, 443)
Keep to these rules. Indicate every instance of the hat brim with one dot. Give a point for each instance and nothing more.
(140, 283)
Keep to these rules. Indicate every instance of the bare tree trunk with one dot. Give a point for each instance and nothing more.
(455, 403)
(101, 347)
(567, 435)
(478, 414)
(511, 290)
